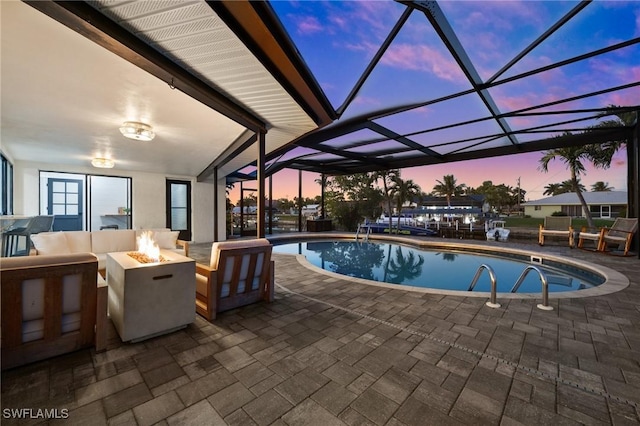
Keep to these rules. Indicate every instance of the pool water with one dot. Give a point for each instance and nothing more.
(437, 269)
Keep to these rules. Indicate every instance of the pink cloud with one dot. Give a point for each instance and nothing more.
(625, 98)
(365, 100)
(306, 25)
(423, 58)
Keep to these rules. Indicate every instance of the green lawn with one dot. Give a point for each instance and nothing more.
(529, 222)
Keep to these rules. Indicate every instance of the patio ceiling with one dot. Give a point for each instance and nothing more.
(420, 82)
(175, 65)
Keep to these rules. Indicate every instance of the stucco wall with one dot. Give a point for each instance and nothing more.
(148, 208)
(542, 213)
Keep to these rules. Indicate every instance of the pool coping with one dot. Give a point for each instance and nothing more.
(614, 280)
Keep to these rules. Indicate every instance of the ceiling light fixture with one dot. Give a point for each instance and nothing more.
(136, 130)
(103, 163)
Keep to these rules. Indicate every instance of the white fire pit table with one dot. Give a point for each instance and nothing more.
(149, 299)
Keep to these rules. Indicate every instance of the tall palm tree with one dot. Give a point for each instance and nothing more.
(601, 186)
(403, 191)
(574, 156)
(448, 187)
(387, 177)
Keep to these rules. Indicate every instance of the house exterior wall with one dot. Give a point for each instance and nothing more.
(148, 199)
(571, 210)
(543, 211)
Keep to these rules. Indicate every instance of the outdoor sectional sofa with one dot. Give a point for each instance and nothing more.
(102, 242)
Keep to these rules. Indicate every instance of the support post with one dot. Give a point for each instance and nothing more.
(299, 200)
(216, 213)
(261, 190)
(270, 204)
(241, 209)
(322, 186)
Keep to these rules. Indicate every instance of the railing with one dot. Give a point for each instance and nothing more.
(545, 286)
(494, 284)
(366, 237)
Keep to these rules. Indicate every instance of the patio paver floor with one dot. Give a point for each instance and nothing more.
(330, 351)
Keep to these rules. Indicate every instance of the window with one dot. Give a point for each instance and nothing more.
(179, 208)
(537, 207)
(6, 182)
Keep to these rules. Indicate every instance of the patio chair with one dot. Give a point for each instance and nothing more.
(556, 226)
(239, 273)
(590, 235)
(620, 234)
(51, 305)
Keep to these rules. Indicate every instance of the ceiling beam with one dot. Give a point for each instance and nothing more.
(257, 26)
(238, 146)
(441, 25)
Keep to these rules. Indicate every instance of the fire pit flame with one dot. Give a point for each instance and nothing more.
(148, 250)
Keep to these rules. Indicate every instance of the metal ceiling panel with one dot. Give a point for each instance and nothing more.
(191, 34)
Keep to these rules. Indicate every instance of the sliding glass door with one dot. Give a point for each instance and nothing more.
(86, 202)
(110, 202)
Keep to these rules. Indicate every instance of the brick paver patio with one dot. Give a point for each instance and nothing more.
(330, 351)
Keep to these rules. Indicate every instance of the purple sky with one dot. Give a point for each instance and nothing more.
(337, 39)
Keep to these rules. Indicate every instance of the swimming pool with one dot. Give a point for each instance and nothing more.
(449, 267)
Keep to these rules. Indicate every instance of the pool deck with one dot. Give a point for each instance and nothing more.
(329, 351)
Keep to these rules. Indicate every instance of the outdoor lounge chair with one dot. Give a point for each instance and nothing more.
(620, 234)
(586, 234)
(239, 273)
(51, 305)
(556, 226)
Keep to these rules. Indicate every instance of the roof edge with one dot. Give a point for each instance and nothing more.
(257, 26)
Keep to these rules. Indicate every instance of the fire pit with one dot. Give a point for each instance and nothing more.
(152, 297)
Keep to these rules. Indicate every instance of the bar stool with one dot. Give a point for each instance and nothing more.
(11, 238)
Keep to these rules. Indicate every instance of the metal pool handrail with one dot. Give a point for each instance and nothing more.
(545, 286)
(494, 284)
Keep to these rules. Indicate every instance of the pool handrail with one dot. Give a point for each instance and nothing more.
(545, 286)
(494, 284)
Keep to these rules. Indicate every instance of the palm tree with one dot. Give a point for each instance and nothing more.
(387, 177)
(553, 189)
(568, 186)
(573, 157)
(448, 188)
(601, 187)
(404, 190)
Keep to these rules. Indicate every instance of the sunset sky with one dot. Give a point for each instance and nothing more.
(504, 170)
(337, 39)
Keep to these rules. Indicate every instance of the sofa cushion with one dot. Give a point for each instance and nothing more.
(108, 241)
(78, 241)
(50, 243)
(166, 239)
(216, 247)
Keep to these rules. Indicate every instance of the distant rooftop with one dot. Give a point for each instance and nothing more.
(569, 198)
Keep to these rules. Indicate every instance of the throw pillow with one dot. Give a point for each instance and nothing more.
(166, 239)
(50, 243)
